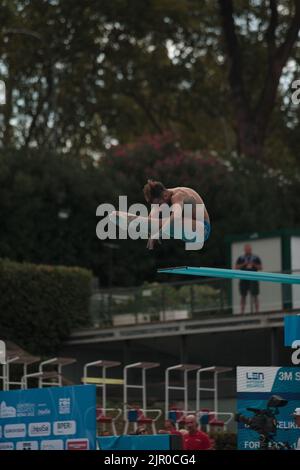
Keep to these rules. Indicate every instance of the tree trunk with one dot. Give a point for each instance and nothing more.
(7, 136)
(251, 125)
(250, 140)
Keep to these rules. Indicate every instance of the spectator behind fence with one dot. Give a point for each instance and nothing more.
(248, 262)
(141, 430)
(195, 439)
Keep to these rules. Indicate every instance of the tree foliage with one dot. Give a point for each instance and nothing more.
(83, 75)
(87, 81)
(37, 189)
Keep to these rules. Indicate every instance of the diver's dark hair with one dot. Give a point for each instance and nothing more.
(153, 190)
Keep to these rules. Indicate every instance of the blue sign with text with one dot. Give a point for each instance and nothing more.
(53, 418)
(267, 398)
(291, 329)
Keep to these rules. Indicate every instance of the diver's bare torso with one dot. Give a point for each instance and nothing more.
(188, 196)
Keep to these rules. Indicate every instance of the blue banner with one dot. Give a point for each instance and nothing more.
(53, 418)
(291, 329)
(151, 442)
(272, 393)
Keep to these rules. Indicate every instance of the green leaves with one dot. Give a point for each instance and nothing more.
(38, 189)
(84, 75)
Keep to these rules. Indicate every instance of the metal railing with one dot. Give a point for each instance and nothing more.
(159, 302)
(192, 299)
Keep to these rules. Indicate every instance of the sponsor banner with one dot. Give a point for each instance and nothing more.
(7, 411)
(64, 427)
(77, 444)
(64, 406)
(35, 418)
(14, 430)
(52, 444)
(7, 446)
(39, 429)
(267, 398)
(258, 378)
(27, 445)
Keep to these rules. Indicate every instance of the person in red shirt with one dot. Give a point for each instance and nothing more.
(195, 439)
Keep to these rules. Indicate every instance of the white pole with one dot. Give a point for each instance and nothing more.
(104, 390)
(125, 394)
(216, 392)
(144, 389)
(185, 390)
(166, 393)
(198, 391)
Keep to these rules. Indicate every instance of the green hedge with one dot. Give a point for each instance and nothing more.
(39, 305)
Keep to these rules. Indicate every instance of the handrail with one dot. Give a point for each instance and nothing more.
(114, 418)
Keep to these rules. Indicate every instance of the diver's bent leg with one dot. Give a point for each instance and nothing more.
(125, 220)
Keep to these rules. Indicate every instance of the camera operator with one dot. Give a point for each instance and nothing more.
(264, 422)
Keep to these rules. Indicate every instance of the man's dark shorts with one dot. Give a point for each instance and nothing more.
(246, 286)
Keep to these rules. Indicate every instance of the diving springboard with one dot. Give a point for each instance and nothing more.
(233, 274)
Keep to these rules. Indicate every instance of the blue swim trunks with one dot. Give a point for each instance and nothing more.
(207, 230)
